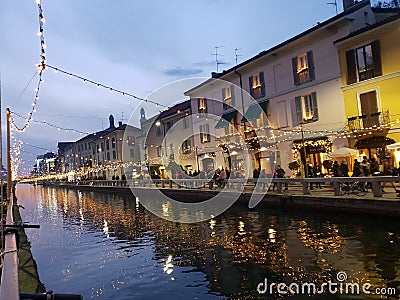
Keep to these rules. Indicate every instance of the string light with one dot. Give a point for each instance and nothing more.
(49, 124)
(100, 85)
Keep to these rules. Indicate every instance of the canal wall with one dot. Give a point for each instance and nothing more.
(326, 203)
(28, 276)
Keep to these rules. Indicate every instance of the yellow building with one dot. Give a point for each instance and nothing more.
(370, 74)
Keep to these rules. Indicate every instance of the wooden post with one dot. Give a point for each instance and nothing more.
(9, 177)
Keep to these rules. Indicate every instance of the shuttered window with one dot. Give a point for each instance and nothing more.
(305, 109)
(363, 63)
(257, 85)
(303, 68)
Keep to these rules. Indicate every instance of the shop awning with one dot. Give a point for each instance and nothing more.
(374, 142)
(254, 111)
(225, 120)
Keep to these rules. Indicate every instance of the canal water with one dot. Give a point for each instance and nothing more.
(107, 246)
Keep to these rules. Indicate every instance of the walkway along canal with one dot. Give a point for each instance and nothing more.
(107, 246)
(379, 195)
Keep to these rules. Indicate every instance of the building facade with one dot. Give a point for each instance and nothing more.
(370, 69)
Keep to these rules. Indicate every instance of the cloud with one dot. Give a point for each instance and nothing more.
(178, 71)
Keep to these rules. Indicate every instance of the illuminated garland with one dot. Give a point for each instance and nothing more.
(41, 66)
(100, 85)
(49, 124)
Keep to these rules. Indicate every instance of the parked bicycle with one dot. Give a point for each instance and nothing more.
(356, 188)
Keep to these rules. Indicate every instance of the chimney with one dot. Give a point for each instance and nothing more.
(347, 4)
(111, 119)
(120, 124)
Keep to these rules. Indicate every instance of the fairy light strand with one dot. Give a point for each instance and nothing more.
(100, 85)
(49, 124)
(41, 66)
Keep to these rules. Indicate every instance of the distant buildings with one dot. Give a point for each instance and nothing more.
(334, 85)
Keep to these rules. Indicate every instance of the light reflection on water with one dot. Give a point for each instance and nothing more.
(107, 246)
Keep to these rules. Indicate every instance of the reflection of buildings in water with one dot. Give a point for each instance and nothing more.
(238, 250)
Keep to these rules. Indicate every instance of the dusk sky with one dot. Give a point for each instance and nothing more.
(133, 46)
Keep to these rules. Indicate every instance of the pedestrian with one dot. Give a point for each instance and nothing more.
(281, 174)
(317, 173)
(374, 167)
(222, 178)
(310, 174)
(336, 170)
(357, 169)
(344, 168)
(365, 165)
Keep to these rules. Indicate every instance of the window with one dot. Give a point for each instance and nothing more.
(131, 140)
(132, 152)
(159, 129)
(303, 68)
(363, 63)
(257, 85)
(186, 147)
(205, 133)
(159, 151)
(108, 155)
(282, 114)
(168, 126)
(306, 109)
(185, 122)
(108, 145)
(228, 96)
(85, 146)
(114, 155)
(98, 148)
(113, 142)
(202, 105)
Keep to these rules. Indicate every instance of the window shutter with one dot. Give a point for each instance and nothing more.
(251, 86)
(351, 67)
(205, 104)
(232, 95)
(376, 55)
(262, 84)
(310, 62)
(295, 74)
(314, 106)
(299, 111)
(223, 99)
(294, 106)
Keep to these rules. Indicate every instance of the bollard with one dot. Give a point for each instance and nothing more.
(376, 189)
(163, 183)
(305, 188)
(170, 184)
(279, 187)
(336, 188)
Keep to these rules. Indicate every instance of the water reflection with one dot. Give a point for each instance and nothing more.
(108, 246)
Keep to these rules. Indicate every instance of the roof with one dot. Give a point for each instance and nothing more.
(63, 145)
(173, 110)
(370, 27)
(353, 8)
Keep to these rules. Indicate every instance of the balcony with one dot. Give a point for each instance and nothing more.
(378, 120)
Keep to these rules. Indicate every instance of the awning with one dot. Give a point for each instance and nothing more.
(225, 120)
(374, 142)
(254, 111)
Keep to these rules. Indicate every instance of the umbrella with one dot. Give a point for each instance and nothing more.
(393, 146)
(343, 152)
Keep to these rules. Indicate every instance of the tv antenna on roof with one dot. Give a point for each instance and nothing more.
(335, 4)
(237, 55)
(216, 54)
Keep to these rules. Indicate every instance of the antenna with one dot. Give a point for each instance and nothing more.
(237, 55)
(335, 4)
(216, 54)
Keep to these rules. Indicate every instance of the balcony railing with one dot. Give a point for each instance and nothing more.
(367, 122)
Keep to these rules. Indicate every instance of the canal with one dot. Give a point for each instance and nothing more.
(107, 246)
